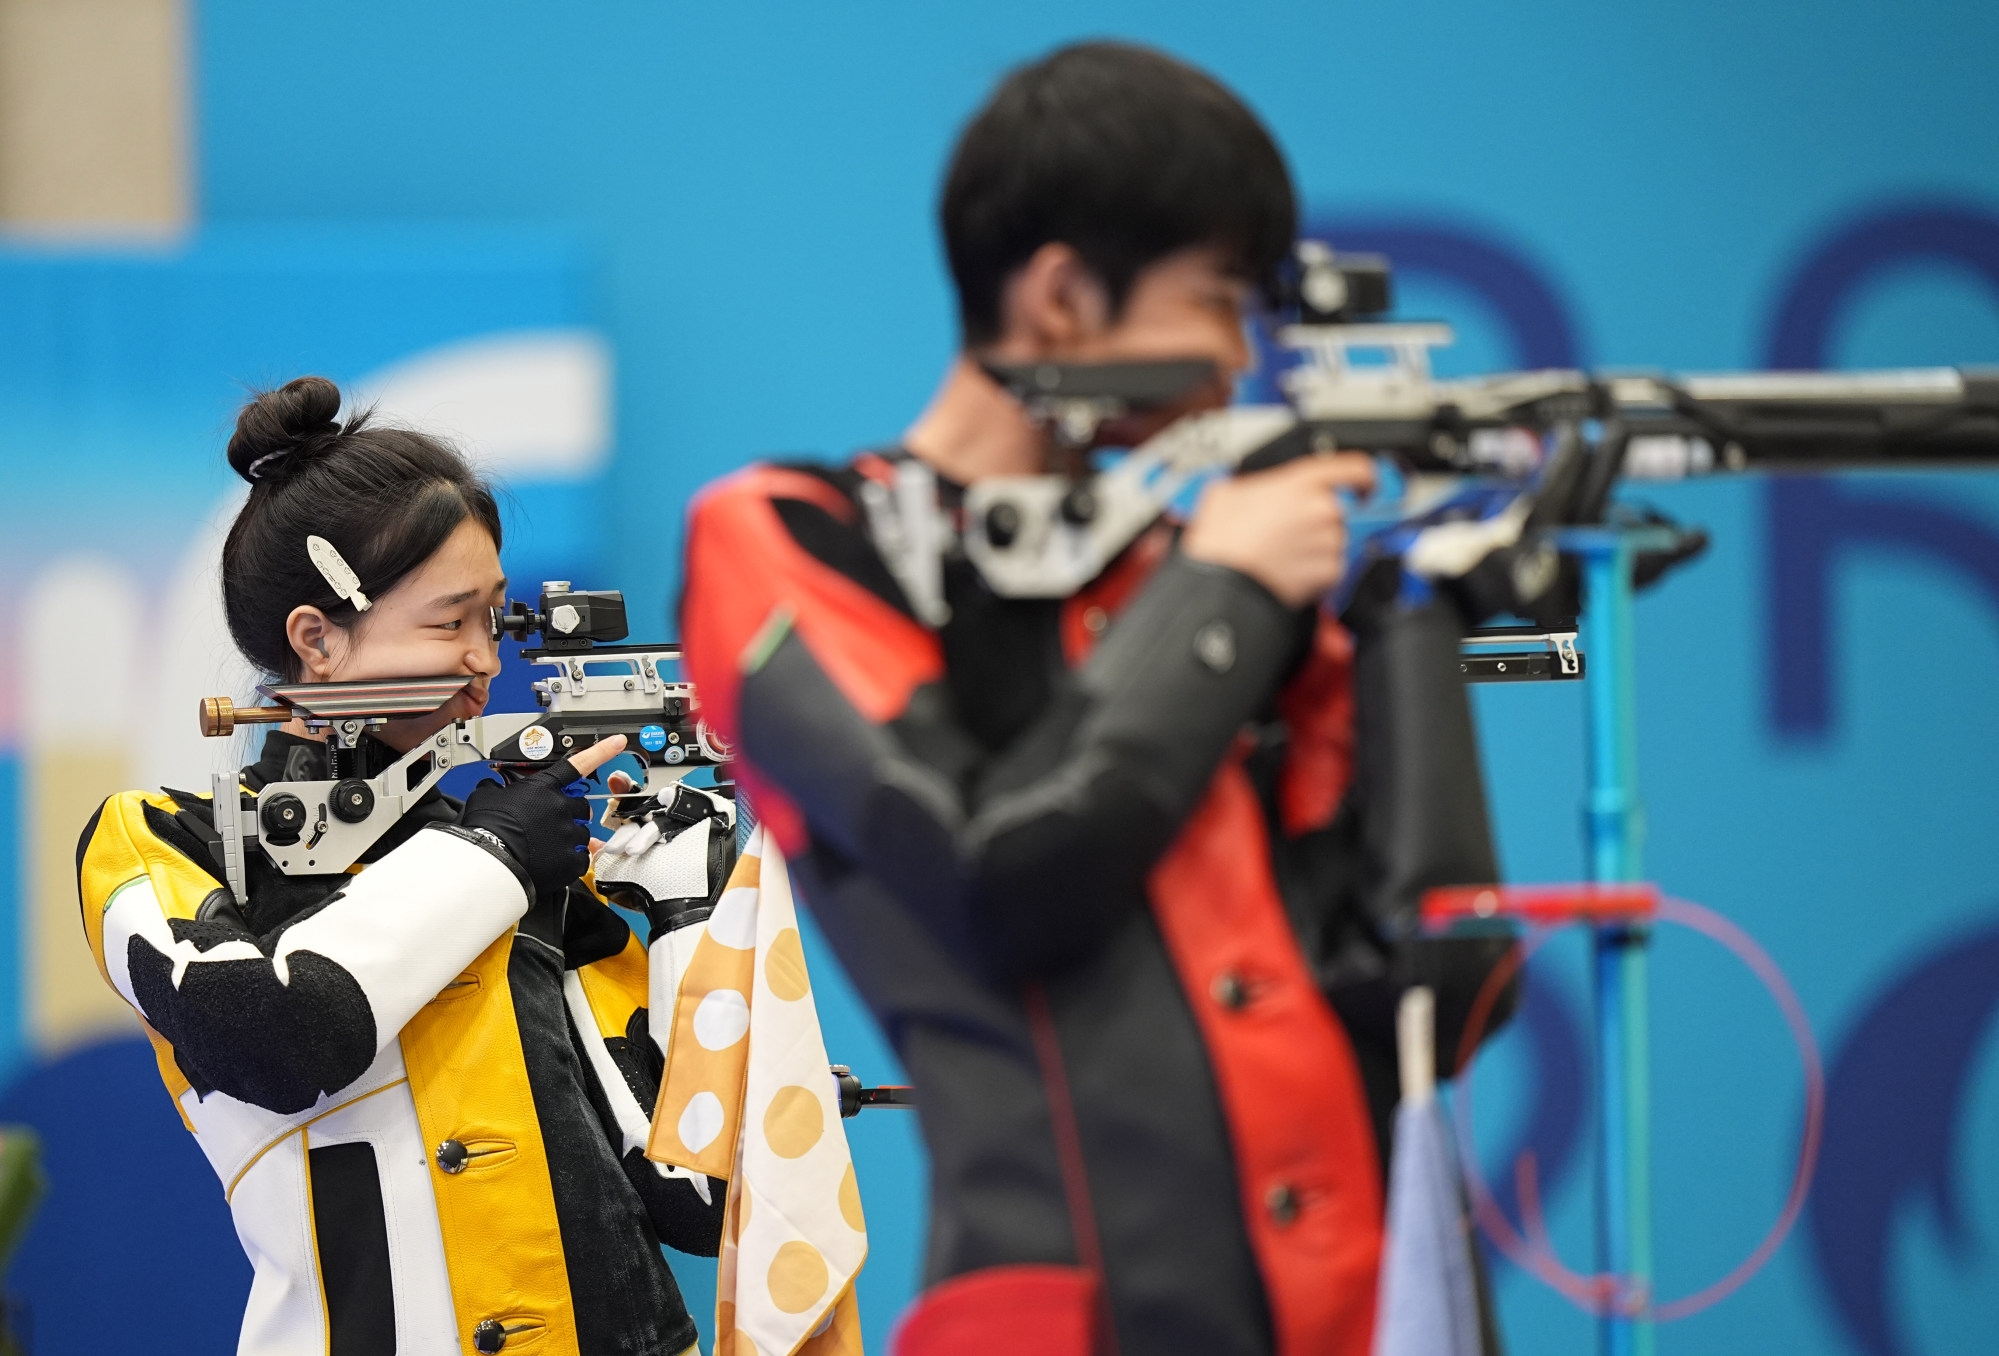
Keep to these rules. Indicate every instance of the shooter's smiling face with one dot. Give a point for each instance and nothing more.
(432, 624)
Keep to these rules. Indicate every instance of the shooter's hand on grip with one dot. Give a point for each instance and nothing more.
(543, 829)
(1285, 527)
(672, 856)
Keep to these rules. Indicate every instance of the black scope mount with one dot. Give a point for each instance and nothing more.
(567, 620)
(1323, 287)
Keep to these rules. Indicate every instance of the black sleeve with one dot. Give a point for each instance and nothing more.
(1025, 860)
(280, 1015)
(1416, 820)
(680, 1216)
(686, 1211)
(239, 1026)
(1418, 787)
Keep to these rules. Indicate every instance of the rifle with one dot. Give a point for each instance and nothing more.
(348, 813)
(1503, 463)
(322, 827)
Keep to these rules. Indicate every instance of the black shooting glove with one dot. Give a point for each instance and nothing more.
(545, 831)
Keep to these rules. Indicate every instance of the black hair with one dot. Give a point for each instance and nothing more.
(386, 498)
(1122, 153)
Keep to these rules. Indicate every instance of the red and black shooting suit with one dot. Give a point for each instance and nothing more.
(1119, 876)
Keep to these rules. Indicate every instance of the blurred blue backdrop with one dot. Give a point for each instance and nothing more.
(735, 204)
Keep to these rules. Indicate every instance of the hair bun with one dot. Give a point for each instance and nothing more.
(280, 430)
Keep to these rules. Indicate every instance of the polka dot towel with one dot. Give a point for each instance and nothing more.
(747, 1096)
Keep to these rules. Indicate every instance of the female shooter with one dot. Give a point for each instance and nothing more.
(418, 1081)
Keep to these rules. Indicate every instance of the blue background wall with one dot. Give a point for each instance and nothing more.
(743, 197)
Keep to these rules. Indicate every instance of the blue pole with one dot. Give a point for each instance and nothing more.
(1615, 826)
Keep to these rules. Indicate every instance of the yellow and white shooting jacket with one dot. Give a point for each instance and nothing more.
(426, 1094)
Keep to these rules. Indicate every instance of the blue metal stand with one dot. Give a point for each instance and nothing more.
(1615, 825)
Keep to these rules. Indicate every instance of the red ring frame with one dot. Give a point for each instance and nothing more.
(1601, 1293)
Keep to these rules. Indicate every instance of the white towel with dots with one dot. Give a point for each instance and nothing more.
(747, 1095)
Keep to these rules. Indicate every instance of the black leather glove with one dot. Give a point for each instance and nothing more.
(546, 831)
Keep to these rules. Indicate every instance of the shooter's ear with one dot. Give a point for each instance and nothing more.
(308, 630)
(1052, 305)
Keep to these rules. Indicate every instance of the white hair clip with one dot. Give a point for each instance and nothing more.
(340, 576)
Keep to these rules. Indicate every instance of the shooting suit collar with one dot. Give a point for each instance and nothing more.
(950, 493)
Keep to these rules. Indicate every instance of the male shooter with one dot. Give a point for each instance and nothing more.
(1098, 863)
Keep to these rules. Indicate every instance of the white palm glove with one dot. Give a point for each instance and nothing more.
(670, 857)
(670, 862)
